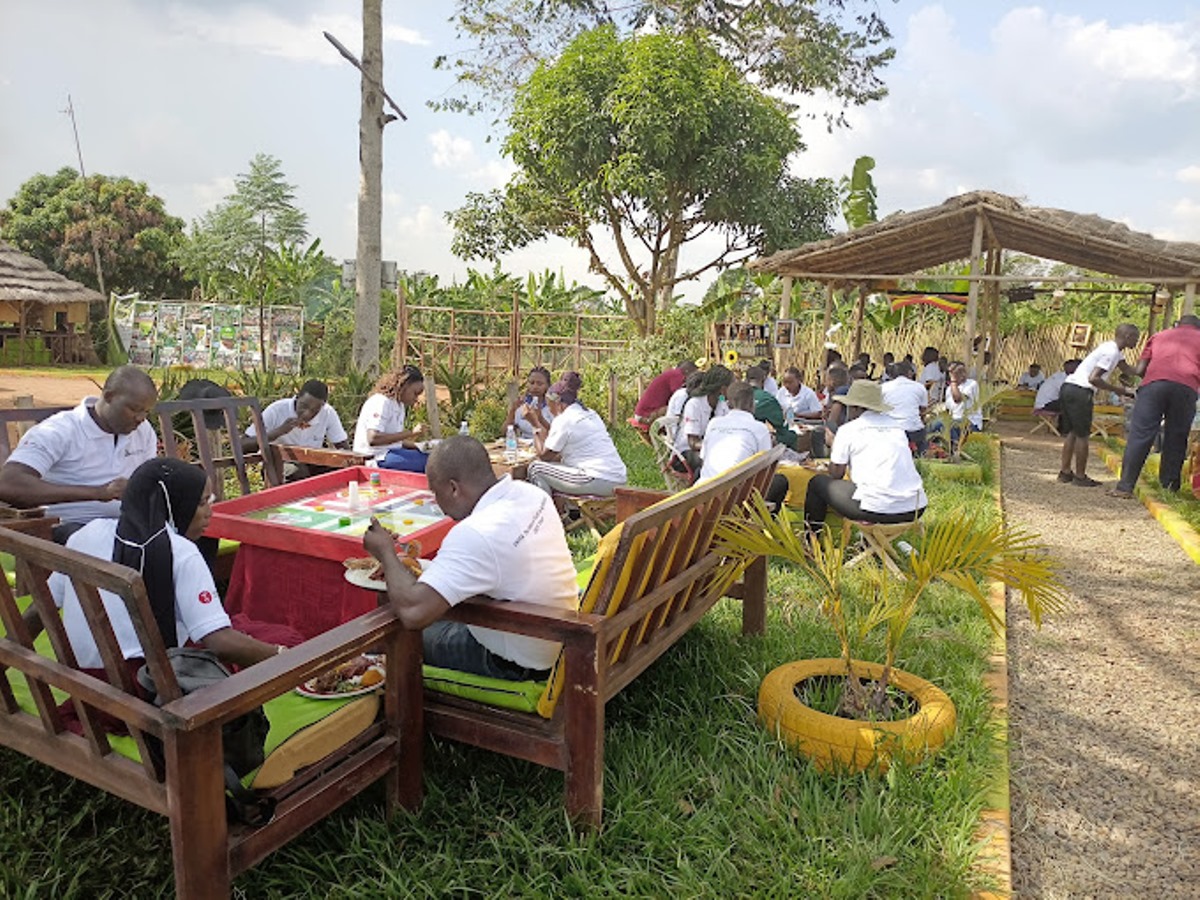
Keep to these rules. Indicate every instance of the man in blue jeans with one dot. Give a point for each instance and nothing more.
(508, 545)
(1170, 365)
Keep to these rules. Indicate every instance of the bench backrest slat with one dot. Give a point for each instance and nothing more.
(20, 416)
(228, 409)
(36, 559)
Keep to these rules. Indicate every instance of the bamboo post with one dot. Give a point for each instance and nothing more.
(452, 336)
(785, 312)
(578, 343)
(514, 339)
(612, 398)
(431, 408)
(1189, 299)
(860, 308)
(400, 345)
(1169, 310)
(973, 291)
(827, 322)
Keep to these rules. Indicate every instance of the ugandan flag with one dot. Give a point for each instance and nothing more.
(949, 303)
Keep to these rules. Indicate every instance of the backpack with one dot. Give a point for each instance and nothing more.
(242, 739)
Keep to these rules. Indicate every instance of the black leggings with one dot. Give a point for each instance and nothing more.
(825, 492)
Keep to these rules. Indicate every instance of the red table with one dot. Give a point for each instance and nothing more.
(289, 568)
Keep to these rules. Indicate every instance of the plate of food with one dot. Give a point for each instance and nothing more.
(357, 676)
(367, 572)
(427, 446)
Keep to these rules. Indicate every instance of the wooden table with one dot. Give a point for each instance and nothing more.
(798, 477)
(289, 570)
(329, 457)
(501, 465)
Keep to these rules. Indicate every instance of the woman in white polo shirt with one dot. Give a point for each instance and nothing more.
(576, 455)
(381, 420)
(166, 506)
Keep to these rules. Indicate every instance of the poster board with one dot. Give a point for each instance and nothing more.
(210, 335)
(742, 343)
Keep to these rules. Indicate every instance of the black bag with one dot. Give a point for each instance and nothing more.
(242, 740)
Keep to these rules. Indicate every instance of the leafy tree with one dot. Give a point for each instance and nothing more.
(53, 217)
(649, 142)
(795, 46)
(226, 246)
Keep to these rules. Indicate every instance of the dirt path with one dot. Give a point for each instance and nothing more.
(46, 390)
(1105, 748)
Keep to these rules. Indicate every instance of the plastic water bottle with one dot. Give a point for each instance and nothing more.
(463, 429)
(510, 445)
(789, 418)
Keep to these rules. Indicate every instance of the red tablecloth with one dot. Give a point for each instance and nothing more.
(310, 595)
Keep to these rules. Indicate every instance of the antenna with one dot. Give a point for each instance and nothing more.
(70, 112)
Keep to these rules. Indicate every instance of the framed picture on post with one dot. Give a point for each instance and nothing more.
(785, 333)
(1080, 335)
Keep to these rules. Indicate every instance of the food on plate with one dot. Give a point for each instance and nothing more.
(349, 677)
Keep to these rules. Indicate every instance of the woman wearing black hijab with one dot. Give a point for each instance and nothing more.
(166, 506)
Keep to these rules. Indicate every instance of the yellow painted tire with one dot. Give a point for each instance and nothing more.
(837, 744)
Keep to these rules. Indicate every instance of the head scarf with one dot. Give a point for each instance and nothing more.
(162, 495)
(566, 389)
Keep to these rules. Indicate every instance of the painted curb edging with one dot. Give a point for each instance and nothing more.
(995, 820)
(1174, 524)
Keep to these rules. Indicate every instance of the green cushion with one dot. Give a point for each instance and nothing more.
(224, 547)
(519, 695)
(288, 713)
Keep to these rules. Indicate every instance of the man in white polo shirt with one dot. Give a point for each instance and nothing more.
(1077, 398)
(76, 463)
(306, 420)
(735, 436)
(508, 545)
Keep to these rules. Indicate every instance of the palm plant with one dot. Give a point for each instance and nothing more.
(964, 555)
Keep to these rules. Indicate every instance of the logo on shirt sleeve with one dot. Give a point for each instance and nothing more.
(205, 597)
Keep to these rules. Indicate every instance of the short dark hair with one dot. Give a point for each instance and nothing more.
(755, 375)
(463, 459)
(740, 395)
(315, 388)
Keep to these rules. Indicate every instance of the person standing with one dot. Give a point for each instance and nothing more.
(1077, 400)
(1170, 364)
(653, 402)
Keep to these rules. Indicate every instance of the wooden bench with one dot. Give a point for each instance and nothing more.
(189, 789)
(656, 575)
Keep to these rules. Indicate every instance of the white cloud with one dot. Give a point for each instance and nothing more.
(1189, 175)
(260, 30)
(1184, 224)
(494, 173)
(208, 194)
(449, 151)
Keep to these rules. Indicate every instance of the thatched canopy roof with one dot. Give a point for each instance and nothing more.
(24, 279)
(907, 242)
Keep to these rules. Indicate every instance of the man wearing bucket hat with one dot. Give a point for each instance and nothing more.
(886, 486)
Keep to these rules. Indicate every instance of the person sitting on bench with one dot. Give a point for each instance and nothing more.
(886, 486)
(76, 463)
(166, 505)
(576, 455)
(306, 420)
(1047, 397)
(508, 544)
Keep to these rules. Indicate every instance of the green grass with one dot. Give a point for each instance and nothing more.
(699, 800)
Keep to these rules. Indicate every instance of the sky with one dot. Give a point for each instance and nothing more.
(1086, 105)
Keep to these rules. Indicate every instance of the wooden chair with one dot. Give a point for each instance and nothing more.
(189, 788)
(662, 439)
(653, 581)
(1047, 419)
(879, 543)
(595, 511)
(21, 416)
(221, 448)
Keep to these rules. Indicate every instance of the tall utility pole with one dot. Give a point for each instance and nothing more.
(370, 191)
(70, 111)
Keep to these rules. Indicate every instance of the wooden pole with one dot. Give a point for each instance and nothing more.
(973, 291)
(860, 309)
(785, 312)
(1189, 299)
(827, 321)
(400, 345)
(613, 384)
(369, 251)
(452, 343)
(515, 337)
(579, 343)
(431, 407)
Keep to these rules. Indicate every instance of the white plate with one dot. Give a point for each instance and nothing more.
(304, 691)
(426, 446)
(358, 578)
(313, 695)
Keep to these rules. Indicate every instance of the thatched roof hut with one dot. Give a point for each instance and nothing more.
(978, 227)
(32, 297)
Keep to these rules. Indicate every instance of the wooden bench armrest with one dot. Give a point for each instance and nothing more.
(534, 620)
(634, 500)
(253, 686)
(100, 694)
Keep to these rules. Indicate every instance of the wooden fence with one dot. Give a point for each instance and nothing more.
(496, 344)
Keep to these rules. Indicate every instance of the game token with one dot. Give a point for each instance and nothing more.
(344, 521)
(319, 508)
(408, 521)
(420, 501)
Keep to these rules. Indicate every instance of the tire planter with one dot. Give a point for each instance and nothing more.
(848, 745)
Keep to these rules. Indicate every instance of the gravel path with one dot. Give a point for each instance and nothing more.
(1103, 699)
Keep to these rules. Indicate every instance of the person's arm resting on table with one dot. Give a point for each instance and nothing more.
(23, 487)
(416, 605)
